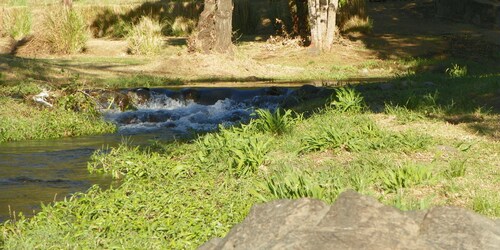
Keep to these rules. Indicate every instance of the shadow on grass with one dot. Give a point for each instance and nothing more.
(471, 100)
(109, 22)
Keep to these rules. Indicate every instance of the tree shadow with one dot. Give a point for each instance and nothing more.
(113, 22)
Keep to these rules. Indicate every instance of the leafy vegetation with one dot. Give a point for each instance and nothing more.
(181, 194)
(277, 122)
(426, 136)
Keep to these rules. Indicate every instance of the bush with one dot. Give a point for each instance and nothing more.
(17, 23)
(65, 31)
(145, 38)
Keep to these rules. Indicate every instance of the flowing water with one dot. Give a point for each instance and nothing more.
(32, 172)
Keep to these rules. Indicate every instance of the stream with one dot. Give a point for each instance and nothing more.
(43, 171)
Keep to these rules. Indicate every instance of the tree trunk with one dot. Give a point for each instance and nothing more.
(322, 15)
(214, 29)
(300, 22)
(67, 3)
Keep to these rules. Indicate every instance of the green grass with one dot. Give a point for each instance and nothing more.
(21, 121)
(17, 23)
(179, 195)
(73, 114)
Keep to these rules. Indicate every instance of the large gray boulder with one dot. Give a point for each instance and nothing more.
(358, 222)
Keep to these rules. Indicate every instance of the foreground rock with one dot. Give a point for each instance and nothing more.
(358, 222)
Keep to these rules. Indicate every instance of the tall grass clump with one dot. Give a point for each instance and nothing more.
(456, 71)
(405, 176)
(277, 122)
(145, 38)
(287, 183)
(347, 99)
(356, 23)
(235, 151)
(17, 22)
(65, 31)
(182, 26)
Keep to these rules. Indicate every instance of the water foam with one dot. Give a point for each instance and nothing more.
(170, 111)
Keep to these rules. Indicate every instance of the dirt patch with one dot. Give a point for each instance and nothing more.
(103, 47)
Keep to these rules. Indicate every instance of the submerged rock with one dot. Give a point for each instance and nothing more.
(355, 221)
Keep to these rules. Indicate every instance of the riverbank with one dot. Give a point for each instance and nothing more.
(419, 127)
(423, 150)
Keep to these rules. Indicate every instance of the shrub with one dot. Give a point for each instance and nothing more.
(145, 38)
(65, 31)
(17, 23)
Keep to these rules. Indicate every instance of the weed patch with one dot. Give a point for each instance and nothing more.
(17, 23)
(64, 31)
(145, 38)
(277, 122)
(233, 150)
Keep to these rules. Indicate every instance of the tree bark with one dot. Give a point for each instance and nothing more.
(214, 29)
(322, 20)
(67, 3)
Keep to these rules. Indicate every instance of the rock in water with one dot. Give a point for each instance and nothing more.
(355, 221)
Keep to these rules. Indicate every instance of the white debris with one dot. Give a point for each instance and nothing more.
(41, 98)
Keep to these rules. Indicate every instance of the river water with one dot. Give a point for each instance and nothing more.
(42, 171)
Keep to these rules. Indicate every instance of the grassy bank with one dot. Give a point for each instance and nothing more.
(181, 194)
(21, 118)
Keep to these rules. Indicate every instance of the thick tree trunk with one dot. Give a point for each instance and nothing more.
(214, 29)
(322, 15)
(300, 22)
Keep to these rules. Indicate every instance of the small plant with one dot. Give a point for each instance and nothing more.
(364, 25)
(402, 113)
(486, 205)
(233, 150)
(406, 176)
(350, 133)
(65, 31)
(17, 23)
(405, 204)
(277, 122)
(347, 100)
(145, 38)
(456, 71)
(457, 169)
(293, 185)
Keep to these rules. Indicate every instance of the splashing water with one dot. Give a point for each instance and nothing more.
(179, 111)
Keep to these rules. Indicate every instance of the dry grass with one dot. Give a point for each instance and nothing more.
(145, 38)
